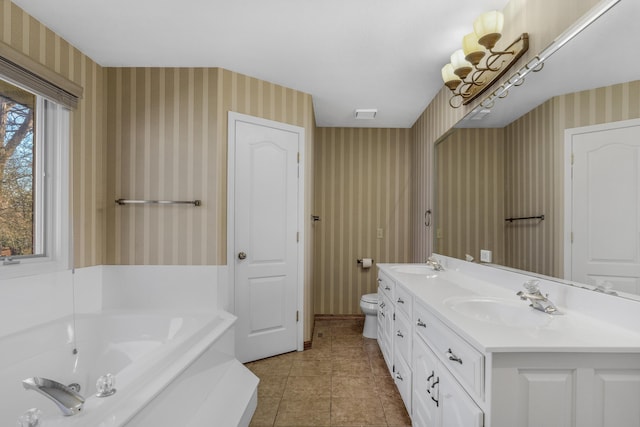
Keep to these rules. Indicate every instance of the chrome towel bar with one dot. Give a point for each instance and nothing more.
(540, 217)
(158, 202)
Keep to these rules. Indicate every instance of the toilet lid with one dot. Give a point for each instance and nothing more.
(373, 298)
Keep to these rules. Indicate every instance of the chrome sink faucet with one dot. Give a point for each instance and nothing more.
(538, 301)
(435, 264)
(66, 399)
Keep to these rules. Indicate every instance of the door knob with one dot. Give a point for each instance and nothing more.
(242, 255)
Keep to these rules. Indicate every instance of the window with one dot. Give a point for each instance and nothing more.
(20, 235)
(33, 183)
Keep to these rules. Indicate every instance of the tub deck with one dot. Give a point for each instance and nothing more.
(170, 370)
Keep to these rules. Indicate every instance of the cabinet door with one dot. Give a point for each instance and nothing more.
(425, 386)
(402, 378)
(402, 334)
(385, 331)
(616, 397)
(458, 409)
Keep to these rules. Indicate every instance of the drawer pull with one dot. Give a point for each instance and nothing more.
(381, 313)
(398, 376)
(436, 392)
(400, 334)
(379, 280)
(421, 323)
(453, 357)
(400, 301)
(387, 287)
(382, 305)
(431, 376)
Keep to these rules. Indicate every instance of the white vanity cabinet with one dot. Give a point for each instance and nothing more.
(385, 318)
(438, 398)
(565, 389)
(573, 370)
(402, 343)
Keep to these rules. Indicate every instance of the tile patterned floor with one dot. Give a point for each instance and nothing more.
(342, 381)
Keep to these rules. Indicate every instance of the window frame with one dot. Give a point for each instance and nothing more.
(52, 190)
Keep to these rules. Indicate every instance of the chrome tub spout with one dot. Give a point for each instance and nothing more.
(66, 399)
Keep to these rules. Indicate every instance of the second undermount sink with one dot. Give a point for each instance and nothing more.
(414, 269)
(501, 311)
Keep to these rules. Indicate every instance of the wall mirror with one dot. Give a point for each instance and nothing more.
(508, 161)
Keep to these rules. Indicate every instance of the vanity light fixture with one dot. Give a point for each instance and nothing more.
(537, 62)
(475, 67)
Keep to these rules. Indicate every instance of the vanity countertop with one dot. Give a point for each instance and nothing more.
(458, 300)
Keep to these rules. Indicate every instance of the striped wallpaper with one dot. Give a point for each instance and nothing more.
(530, 190)
(168, 133)
(167, 129)
(469, 209)
(88, 142)
(362, 184)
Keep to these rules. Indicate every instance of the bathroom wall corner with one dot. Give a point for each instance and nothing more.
(87, 289)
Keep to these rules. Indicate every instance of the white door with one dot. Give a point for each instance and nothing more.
(266, 238)
(605, 211)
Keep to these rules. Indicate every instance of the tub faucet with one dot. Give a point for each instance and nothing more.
(66, 399)
(538, 301)
(435, 264)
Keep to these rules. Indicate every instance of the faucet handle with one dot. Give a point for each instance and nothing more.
(106, 385)
(531, 286)
(30, 418)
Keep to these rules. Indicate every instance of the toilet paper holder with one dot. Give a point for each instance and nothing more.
(359, 261)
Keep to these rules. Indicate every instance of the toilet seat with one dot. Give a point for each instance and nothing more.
(369, 298)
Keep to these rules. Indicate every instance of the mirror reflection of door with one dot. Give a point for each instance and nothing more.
(605, 206)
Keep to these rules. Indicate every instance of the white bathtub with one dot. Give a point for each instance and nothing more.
(168, 368)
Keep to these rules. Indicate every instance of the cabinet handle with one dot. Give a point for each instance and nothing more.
(436, 392)
(382, 314)
(382, 305)
(400, 334)
(387, 287)
(379, 280)
(433, 374)
(398, 376)
(400, 301)
(421, 323)
(453, 357)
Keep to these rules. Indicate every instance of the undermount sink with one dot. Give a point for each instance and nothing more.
(414, 269)
(501, 311)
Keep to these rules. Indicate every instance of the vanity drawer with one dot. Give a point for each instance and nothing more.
(386, 285)
(403, 301)
(458, 356)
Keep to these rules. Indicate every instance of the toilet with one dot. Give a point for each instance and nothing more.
(369, 306)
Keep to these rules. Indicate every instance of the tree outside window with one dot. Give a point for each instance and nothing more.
(17, 157)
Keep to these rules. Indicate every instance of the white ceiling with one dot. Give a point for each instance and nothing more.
(348, 54)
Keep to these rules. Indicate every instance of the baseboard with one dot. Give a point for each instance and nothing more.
(338, 316)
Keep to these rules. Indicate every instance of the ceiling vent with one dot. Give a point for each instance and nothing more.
(366, 114)
(480, 114)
